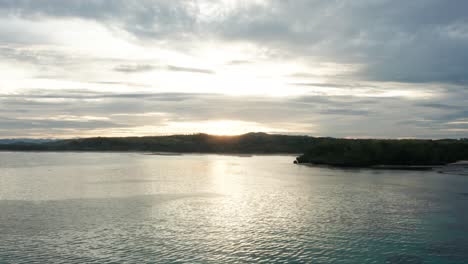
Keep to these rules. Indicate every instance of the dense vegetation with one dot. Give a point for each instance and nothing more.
(330, 151)
(368, 152)
(202, 143)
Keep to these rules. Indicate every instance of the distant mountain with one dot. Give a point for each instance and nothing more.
(24, 140)
(327, 151)
(203, 143)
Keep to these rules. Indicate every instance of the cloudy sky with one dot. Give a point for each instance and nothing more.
(342, 68)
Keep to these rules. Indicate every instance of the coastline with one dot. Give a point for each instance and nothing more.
(450, 169)
(158, 153)
(377, 167)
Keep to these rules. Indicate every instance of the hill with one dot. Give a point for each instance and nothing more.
(370, 152)
(327, 151)
(202, 143)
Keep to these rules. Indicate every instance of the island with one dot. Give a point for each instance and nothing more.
(391, 154)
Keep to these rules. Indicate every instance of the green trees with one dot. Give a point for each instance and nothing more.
(331, 151)
(344, 152)
(203, 143)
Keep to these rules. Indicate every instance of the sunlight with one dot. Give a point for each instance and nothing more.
(218, 127)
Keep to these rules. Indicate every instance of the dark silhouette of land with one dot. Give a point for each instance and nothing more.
(198, 143)
(326, 151)
(371, 152)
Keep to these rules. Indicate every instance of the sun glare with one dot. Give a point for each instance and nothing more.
(217, 127)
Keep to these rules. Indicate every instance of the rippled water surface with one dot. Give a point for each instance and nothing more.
(135, 208)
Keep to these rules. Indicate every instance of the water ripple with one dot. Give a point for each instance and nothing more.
(220, 209)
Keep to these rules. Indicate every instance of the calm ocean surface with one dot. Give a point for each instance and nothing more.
(135, 208)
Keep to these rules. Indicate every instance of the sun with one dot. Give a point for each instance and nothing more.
(218, 127)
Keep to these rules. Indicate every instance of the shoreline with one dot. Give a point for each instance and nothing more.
(159, 153)
(378, 167)
(449, 169)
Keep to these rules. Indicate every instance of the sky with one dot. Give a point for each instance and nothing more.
(339, 68)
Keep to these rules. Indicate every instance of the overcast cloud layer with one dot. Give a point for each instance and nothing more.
(344, 68)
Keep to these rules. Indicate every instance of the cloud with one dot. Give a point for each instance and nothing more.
(44, 124)
(238, 62)
(137, 68)
(379, 68)
(68, 113)
(144, 18)
(134, 68)
(82, 94)
(441, 106)
(395, 40)
(329, 85)
(34, 56)
(185, 69)
(392, 40)
(341, 112)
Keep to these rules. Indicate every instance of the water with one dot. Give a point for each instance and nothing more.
(134, 208)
